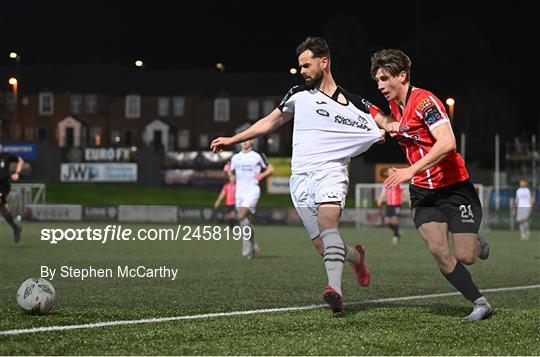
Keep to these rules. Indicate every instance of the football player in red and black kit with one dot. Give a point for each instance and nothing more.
(442, 196)
(5, 186)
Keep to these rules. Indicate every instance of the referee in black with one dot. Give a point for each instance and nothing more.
(6, 178)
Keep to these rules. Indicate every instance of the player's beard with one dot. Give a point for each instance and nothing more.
(315, 82)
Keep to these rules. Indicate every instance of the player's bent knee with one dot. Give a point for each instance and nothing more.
(467, 258)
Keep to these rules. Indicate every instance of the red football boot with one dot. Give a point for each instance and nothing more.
(332, 298)
(360, 270)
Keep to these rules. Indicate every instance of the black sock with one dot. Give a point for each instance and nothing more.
(232, 223)
(461, 279)
(8, 217)
(395, 229)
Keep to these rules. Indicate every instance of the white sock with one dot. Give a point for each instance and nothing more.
(334, 256)
(246, 243)
(352, 255)
(522, 230)
(526, 228)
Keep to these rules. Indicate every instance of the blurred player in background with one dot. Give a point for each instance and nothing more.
(443, 197)
(228, 193)
(330, 126)
(248, 167)
(523, 205)
(392, 196)
(5, 187)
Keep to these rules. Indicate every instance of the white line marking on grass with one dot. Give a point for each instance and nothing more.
(239, 313)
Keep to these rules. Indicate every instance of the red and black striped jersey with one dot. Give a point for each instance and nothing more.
(424, 112)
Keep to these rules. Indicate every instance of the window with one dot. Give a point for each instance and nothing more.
(16, 131)
(29, 133)
(115, 137)
(178, 106)
(221, 110)
(75, 103)
(95, 136)
(90, 104)
(183, 139)
(268, 106)
(133, 106)
(273, 143)
(42, 134)
(253, 109)
(46, 103)
(128, 137)
(203, 141)
(163, 106)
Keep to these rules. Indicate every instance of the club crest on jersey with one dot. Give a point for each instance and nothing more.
(426, 103)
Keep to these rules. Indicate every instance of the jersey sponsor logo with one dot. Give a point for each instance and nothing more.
(323, 112)
(413, 137)
(360, 123)
(426, 103)
(432, 115)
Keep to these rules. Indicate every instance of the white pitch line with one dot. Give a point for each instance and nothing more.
(239, 313)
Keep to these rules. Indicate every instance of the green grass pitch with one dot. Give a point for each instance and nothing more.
(214, 278)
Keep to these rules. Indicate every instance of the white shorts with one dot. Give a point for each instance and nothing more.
(309, 190)
(248, 200)
(523, 214)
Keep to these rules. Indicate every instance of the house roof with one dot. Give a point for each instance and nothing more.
(123, 80)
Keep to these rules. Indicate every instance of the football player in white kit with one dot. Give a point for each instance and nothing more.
(330, 127)
(523, 204)
(249, 167)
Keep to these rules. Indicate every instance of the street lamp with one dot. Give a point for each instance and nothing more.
(293, 71)
(220, 66)
(450, 102)
(14, 84)
(139, 63)
(15, 56)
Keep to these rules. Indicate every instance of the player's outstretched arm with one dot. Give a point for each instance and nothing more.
(18, 169)
(220, 198)
(381, 197)
(386, 122)
(445, 143)
(267, 172)
(263, 126)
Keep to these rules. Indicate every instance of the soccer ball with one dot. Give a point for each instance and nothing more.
(36, 296)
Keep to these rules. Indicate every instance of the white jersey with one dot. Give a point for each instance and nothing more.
(326, 133)
(523, 197)
(245, 166)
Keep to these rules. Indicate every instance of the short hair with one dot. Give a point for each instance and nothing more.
(393, 61)
(317, 45)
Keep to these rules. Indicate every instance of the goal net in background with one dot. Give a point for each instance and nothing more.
(369, 215)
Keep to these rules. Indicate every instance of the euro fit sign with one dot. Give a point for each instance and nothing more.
(98, 172)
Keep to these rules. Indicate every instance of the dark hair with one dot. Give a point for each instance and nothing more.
(393, 61)
(317, 45)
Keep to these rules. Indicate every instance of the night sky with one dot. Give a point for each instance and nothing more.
(478, 53)
(257, 37)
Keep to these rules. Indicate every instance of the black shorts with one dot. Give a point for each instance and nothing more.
(4, 192)
(457, 204)
(392, 211)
